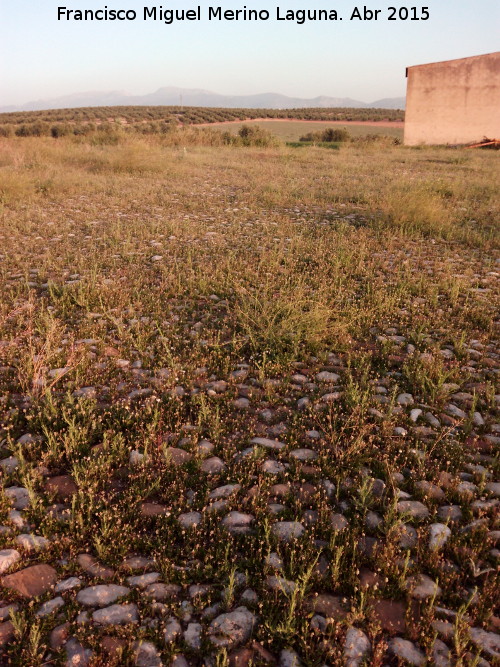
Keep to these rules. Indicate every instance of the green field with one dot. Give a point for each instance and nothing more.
(294, 129)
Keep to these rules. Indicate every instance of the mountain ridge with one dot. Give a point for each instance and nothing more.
(197, 97)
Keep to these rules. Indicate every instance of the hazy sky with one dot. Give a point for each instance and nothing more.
(41, 57)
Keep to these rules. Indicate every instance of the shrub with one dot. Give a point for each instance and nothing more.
(60, 130)
(37, 129)
(106, 138)
(329, 135)
(253, 135)
(376, 139)
(82, 130)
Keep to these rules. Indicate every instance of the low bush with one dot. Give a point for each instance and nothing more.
(253, 135)
(38, 129)
(330, 134)
(60, 130)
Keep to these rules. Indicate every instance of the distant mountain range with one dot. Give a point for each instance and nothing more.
(172, 96)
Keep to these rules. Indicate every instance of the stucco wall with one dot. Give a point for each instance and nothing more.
(453, 102)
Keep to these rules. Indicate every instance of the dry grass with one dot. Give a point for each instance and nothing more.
(293, 130)
(196, 261)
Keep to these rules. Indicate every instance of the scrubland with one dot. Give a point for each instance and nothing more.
(159, 119)
(249, 403)
(290, 131)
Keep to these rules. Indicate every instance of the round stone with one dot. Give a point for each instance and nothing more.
(117, 614)
(422, 587)
(230, 630)
(101, 595)
(286, 531)
(272, 467)
(7, 558)
(304, 454)
(357, 646)
(406, 650)
(213, 465)
(439, 534)
(190, 519)
(414, 508)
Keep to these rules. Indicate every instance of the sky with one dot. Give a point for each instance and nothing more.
(41, 57)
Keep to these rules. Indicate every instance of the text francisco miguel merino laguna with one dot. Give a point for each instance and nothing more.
(169, 16)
